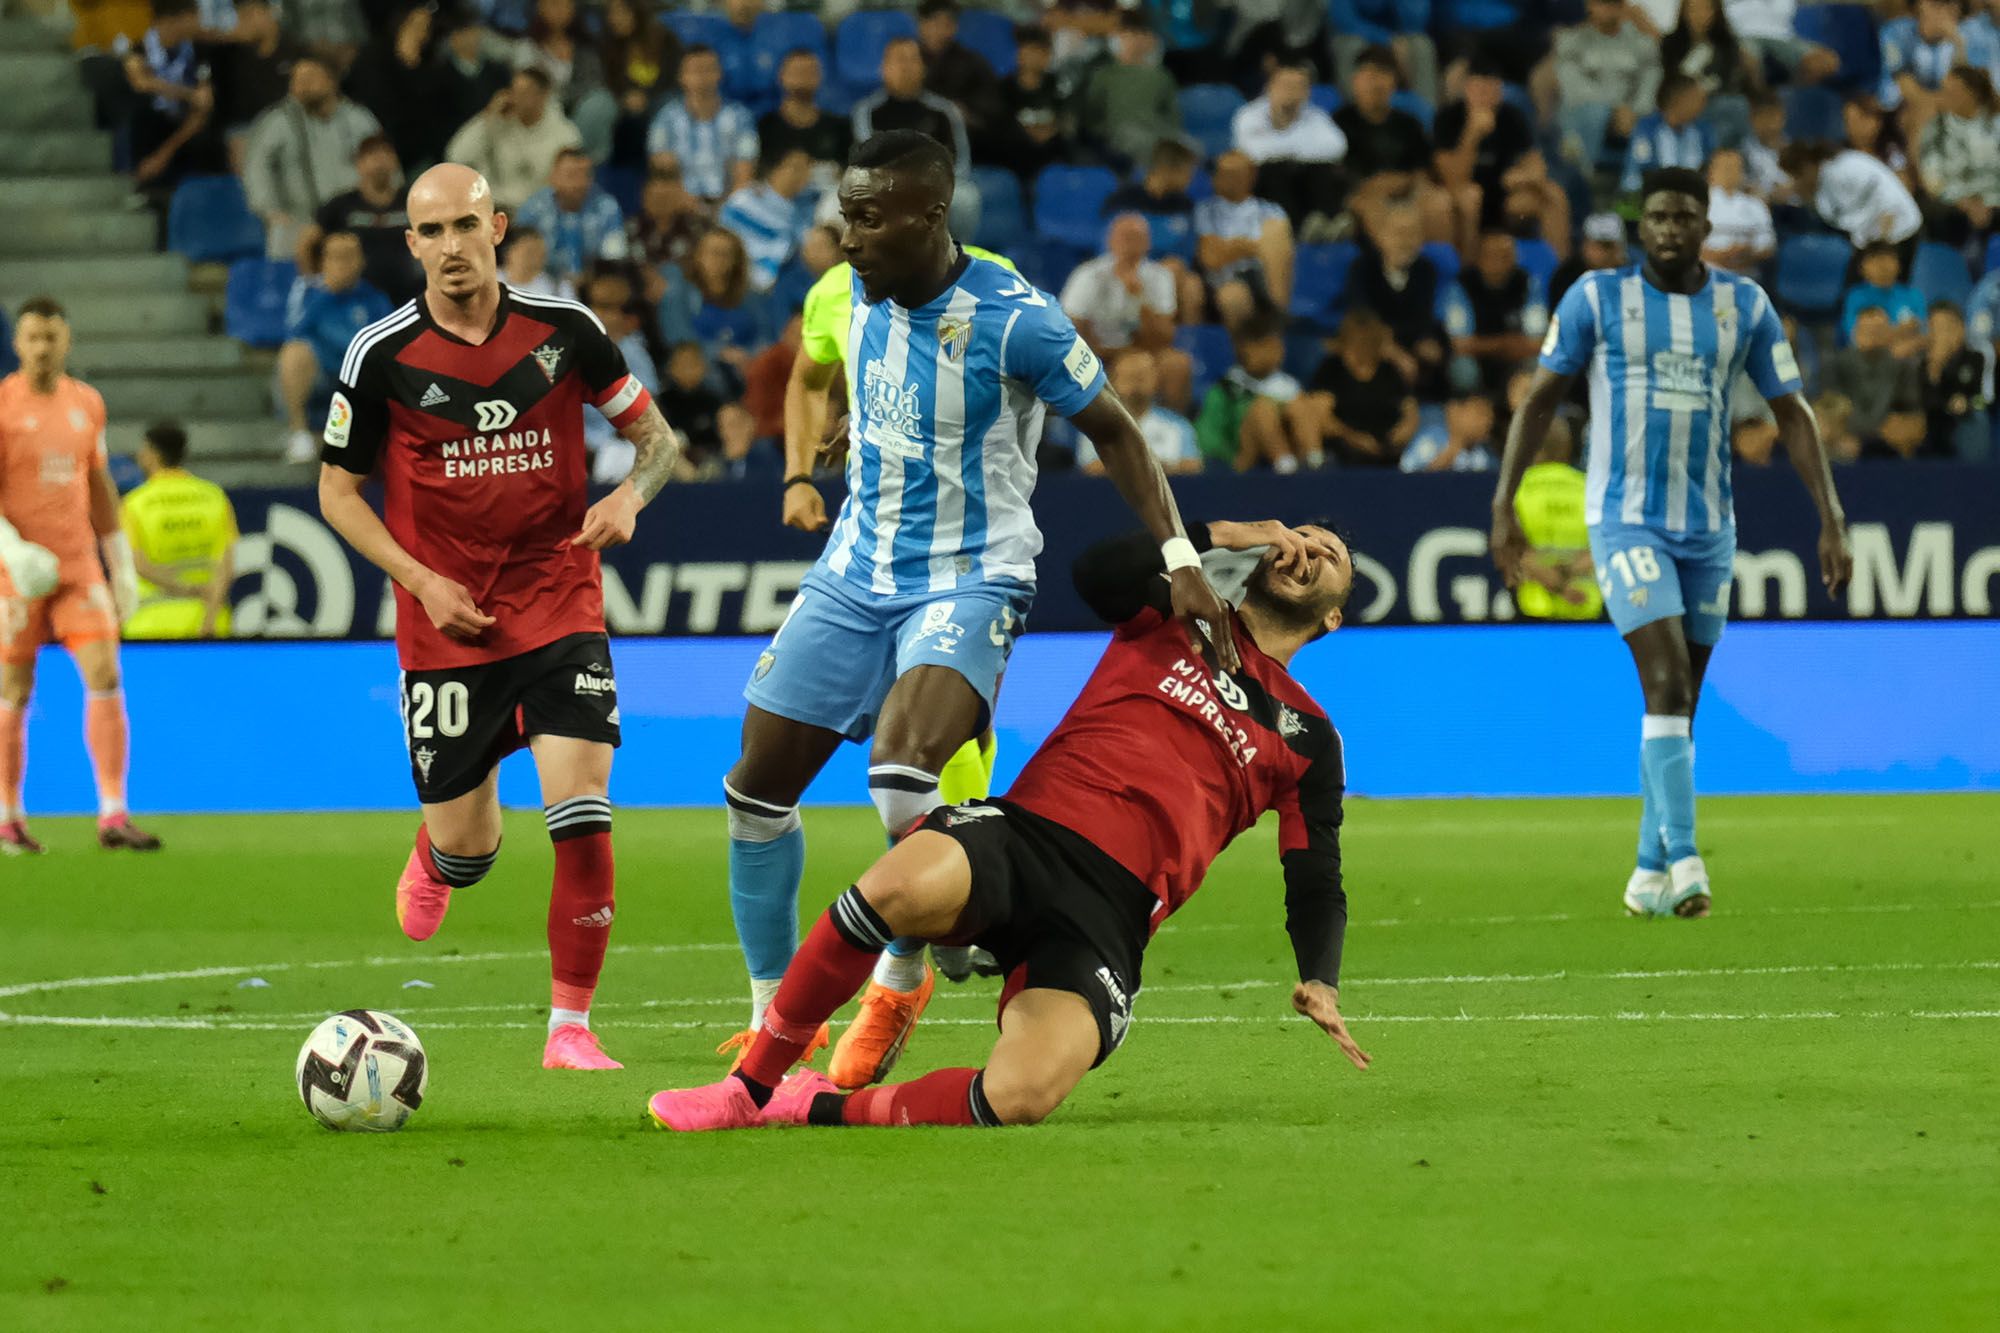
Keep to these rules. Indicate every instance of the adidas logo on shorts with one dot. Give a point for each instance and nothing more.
(433, 396)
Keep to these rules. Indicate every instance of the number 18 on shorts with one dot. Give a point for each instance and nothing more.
(1648, 576)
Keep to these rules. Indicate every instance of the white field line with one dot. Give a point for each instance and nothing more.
(1603, 917)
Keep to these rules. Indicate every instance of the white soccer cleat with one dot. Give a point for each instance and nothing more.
(1645, 891)
(1688, 894)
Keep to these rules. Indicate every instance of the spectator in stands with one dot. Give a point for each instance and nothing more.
(1462, 440)
(183, 535)
(1855, 193)
(524, 264)
(713, 142)
(1959, 157)
(1673, 136)
(640, 58)
(1741, 237)
(1193, 32)
(1488, 160)
(1135, 377)
(1034, 105)
(1873, 399)
(1123, 299)
(396, 79)
(1162, 193)
(324, 315)
(1297, 149)
(1606, 72)
(1508, 311)
(1768, 30)
(468, 75)
(708, 301)
(609, 296)
(373, 210)
(1603, 247)
(902, 104)
(253, 71)
(1919, 50)
(559, 45)
(764, 381)
(770, 215)
(514, 141)
(1388, 150)
(1874, 131)
(1273, 33)
(959, 74)
(1358, 405)
(1954, 388)
(664, 233)
(1080, 35)
(1243, 244)
(582, 222)
(1703, 46)
(1398, 27)
(1132, 103)
(1242, 421)
(172, 131)
(1766, 144)
(1882, 288)
(799, 123)
(1395, 278)
(300, 154)
(688, 398)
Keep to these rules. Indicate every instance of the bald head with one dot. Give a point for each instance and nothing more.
(454, 231)
(450, 188)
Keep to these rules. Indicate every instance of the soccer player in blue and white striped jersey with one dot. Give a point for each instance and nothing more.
(903, 627)
(1663, 342)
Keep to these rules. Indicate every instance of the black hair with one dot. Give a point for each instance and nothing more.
(1174, 153)
(172, 9)
(771, 154)
(1259, 325)
(1673, 86)
(564, 154)
(1032, 34)
(1485, 65)
(1382, 58)
(1675, 180)
(910, 151)
(933, 7)
(698, 49)
(168, 440)
(1943, 307)
(47, 307)
(535, 74)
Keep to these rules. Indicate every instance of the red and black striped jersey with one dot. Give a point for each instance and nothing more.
(484, 470)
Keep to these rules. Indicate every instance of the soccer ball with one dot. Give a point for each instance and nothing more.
(362, 1070)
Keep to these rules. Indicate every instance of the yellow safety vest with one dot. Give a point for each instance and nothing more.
(184, 525)
(1550, 506)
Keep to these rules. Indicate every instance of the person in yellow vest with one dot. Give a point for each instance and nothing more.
(183, 535)
(1558, 580)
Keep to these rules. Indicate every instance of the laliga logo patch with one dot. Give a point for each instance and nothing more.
(339, 420)
(495, 414)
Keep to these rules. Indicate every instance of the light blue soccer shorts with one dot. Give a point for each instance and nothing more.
(1648, 575)
(833, 660)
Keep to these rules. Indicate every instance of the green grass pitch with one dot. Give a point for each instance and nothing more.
(1782, 1117)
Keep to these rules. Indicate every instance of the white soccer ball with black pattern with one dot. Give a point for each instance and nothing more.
(363, 1070)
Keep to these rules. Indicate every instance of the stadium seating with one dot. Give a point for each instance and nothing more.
(1538, 257)
(1326, 97)
(1002, 218)
(208, 221)
(859, 41)
(1813, 113)
(1173, 236)
(1067, 202)
(778, 35)
(992, 36)
(1992, 255)
(1850, 32)
(700, 29)
(1445, 258)
(1206, 109)
(1319, 282)
(1415, 104)
(1812, 273)
(1208, 346)
(1939, 273)
(253, 304)
(625, 183)
(1303, 353)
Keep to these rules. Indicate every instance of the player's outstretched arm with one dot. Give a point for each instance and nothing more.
(1140, 479)
(1524, 439)
(1798, 428)
(348, 512)
(656, 453)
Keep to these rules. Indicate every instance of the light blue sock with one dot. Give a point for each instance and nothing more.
(767, 861)
(1652, 846)
(1668, 750)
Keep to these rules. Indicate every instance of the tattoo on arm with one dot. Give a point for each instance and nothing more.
(657, 452)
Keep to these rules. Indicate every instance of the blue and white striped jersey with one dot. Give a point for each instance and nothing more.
(945, 412)
(1661, 367)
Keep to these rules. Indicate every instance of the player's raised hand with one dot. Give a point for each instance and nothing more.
(805, 507)
(1509, 545)
(451, 608)
(1291, 550)
(610, 521)
(1321, 1003)
(1200, 608)
(1836, 557)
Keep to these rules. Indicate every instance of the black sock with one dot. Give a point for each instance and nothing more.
(760, 1093)
(826, 1109)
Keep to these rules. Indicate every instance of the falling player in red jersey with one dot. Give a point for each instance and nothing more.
(469, 402)
(1160, 763)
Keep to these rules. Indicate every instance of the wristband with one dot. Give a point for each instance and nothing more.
(1179, 553)
(802, 479)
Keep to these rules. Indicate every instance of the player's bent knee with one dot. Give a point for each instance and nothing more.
(1027, 1093)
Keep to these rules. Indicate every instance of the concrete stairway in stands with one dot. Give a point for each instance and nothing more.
(143, 335)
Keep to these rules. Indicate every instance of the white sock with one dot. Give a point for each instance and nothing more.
(761, 994)
(558, 1017)
(904, 973)
(110, 809)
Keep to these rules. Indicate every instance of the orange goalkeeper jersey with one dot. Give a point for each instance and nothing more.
(49, 443)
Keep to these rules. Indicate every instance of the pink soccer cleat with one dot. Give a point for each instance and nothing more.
(724, 1105)
(15, 840)
(420, 900)
(792, 1102)
(574, 1046)
(118, 833)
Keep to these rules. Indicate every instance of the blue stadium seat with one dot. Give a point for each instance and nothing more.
(1208, 346)
(1415, 104)
(1812, 273)
(1850, 32)
(1813, 113)
(700, 29)
(1202, 186)
(1206, 110)
(992, 36)
(859, 41)
(1045, 263)
(253, 304)
(781, 34)
(1067, 203)
(626, 184)
(1939, 273)
(1002, 219)
(1319, 282)
(1445, 257)
(1992, 258)
(209, 221)
(1539, 258)
(1173, 236)
(750, 64)
(1303, 354)
(9, 362)
(1326, 97)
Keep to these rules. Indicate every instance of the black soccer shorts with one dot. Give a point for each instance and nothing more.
(462, 721)
(1055, 912)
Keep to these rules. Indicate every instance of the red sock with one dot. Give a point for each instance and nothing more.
(580, 916)
(945, 1097)
(426, 855)
(104, 736)
(833, 963)
(13, 756)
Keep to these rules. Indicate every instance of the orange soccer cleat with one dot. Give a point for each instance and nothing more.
(740, 1043)
(874, 1041)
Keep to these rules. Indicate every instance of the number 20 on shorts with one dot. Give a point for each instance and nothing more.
(450, 703)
